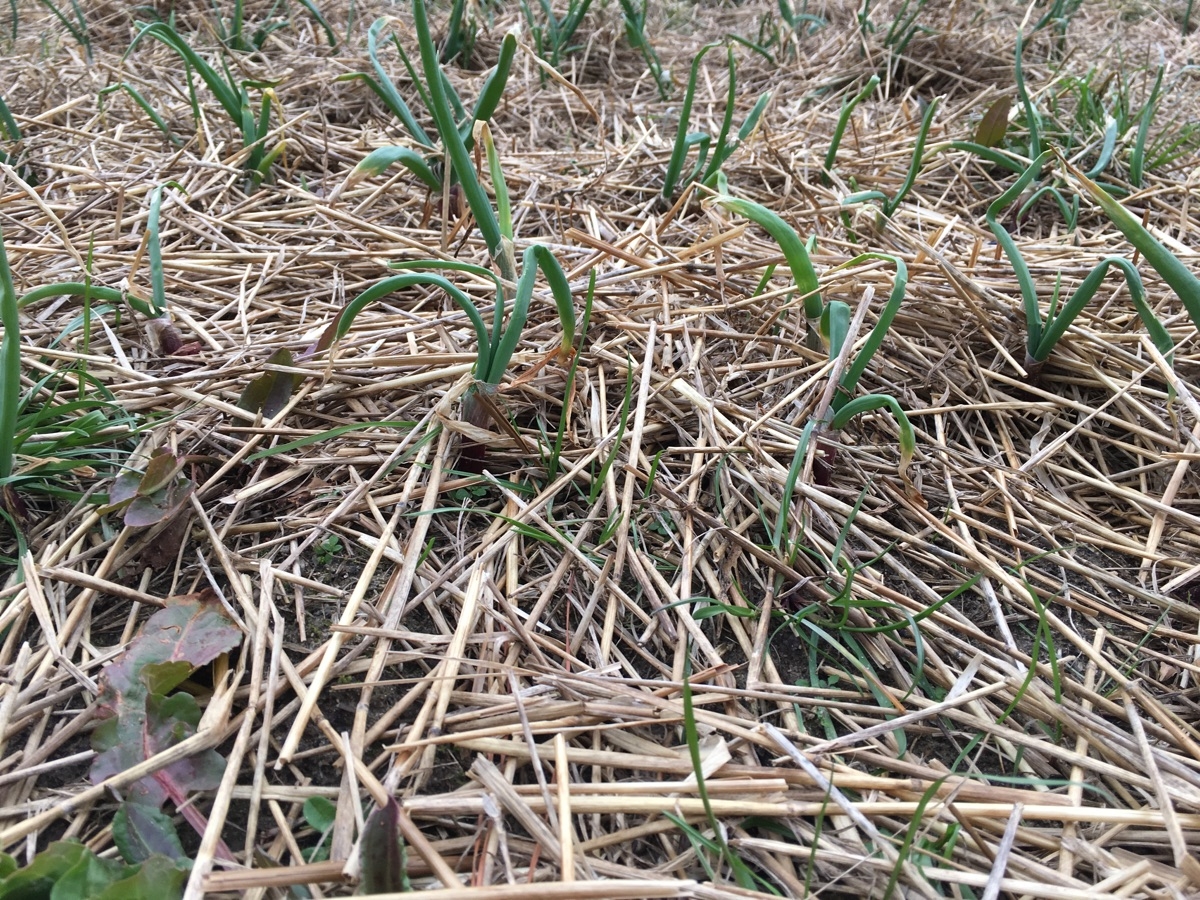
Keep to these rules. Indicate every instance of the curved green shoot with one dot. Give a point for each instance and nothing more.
(477, 199)
(684, 141)
(379, 160)
(723, 148)
(914, 167)
(870, 403)
(793, 249)
(1056, 325)
(232, 97)
(142, 102)
(534, 258)
(79, 289)
(382, 85)
(843, 120)
(1032, 119)
(10, 367)
(345, 319)
(1033, 318)
(875, 339)
(1162, 260)
(997, 157)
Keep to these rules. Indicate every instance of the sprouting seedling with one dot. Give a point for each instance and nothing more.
(794, 252)
(78, 29)
(232, 96)
(453, 124)
(232, 32)
(721, 151)
(905, 26)
(890, 205)
(498, 344)
(461, 33)
(11, 133)
(143, 103)
(1041, 337)
(844, 119)
(635, 33)
(1181, 280)
(551, 34)
(835, 322)
(1033, 119)
(1137, 156)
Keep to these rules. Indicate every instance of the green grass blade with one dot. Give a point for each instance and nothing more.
(622, 424)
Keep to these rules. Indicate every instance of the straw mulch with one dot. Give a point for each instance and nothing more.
(507, 655)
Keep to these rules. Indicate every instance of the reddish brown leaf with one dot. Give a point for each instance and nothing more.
(141, 719)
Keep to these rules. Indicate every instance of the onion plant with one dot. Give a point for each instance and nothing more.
(444, 104)
(843, 119)
(1178, 276)
(1042, 336)
(721, 151)
(635, 33)
(890, 205)
(11, 133)
(77, 28)
(231, 94)
(497, 344)
(552, 35)
(233, 33)
(829, 323)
